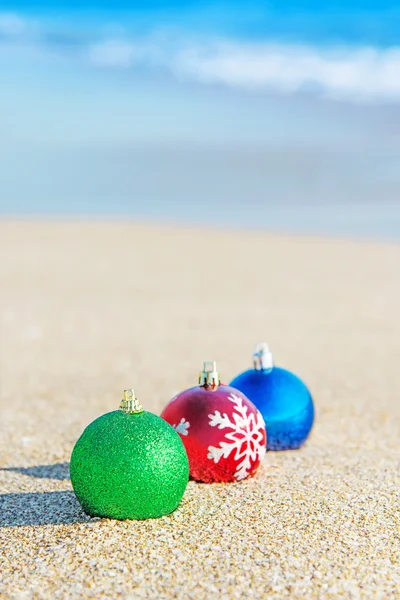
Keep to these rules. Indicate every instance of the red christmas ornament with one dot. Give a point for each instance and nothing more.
(223, 432)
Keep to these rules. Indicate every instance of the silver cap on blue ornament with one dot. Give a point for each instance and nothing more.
(262, 358)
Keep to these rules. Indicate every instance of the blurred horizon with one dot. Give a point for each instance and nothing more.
(283, 116)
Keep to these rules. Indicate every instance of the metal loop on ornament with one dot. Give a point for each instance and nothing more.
(130, 404)
(262, 358)
(209, 376)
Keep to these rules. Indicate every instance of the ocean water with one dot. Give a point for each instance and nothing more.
(380, 222)
(375, 222)
(344, 192)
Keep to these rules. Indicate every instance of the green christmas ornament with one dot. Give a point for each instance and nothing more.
(129, 464)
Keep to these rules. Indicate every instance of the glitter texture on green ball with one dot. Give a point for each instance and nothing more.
(129, 464)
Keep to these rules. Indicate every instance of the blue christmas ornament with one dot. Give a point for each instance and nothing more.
(281, 397)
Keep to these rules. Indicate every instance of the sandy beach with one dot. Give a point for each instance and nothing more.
(89, 309)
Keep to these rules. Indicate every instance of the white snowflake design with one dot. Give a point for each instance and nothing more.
(246, 437)
(182, 427)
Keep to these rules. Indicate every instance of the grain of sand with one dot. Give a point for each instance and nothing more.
(88, 309)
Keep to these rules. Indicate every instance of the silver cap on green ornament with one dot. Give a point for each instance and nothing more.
(130, 404)
(262, 358)
(209, 376)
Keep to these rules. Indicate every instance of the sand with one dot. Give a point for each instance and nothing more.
(89, 309)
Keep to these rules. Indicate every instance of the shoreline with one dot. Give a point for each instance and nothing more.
(172, 223)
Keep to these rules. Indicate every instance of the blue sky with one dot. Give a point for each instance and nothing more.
(373, 22)
(85, 80)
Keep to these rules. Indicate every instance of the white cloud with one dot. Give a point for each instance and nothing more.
(112, 53)
(363, 74)
(357, 74)
(125, 53)
(11, 24)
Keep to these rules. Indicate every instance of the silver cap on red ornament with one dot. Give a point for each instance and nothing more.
(209, 376)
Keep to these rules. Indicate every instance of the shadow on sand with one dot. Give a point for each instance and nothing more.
(40, 508)
(59, 471)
